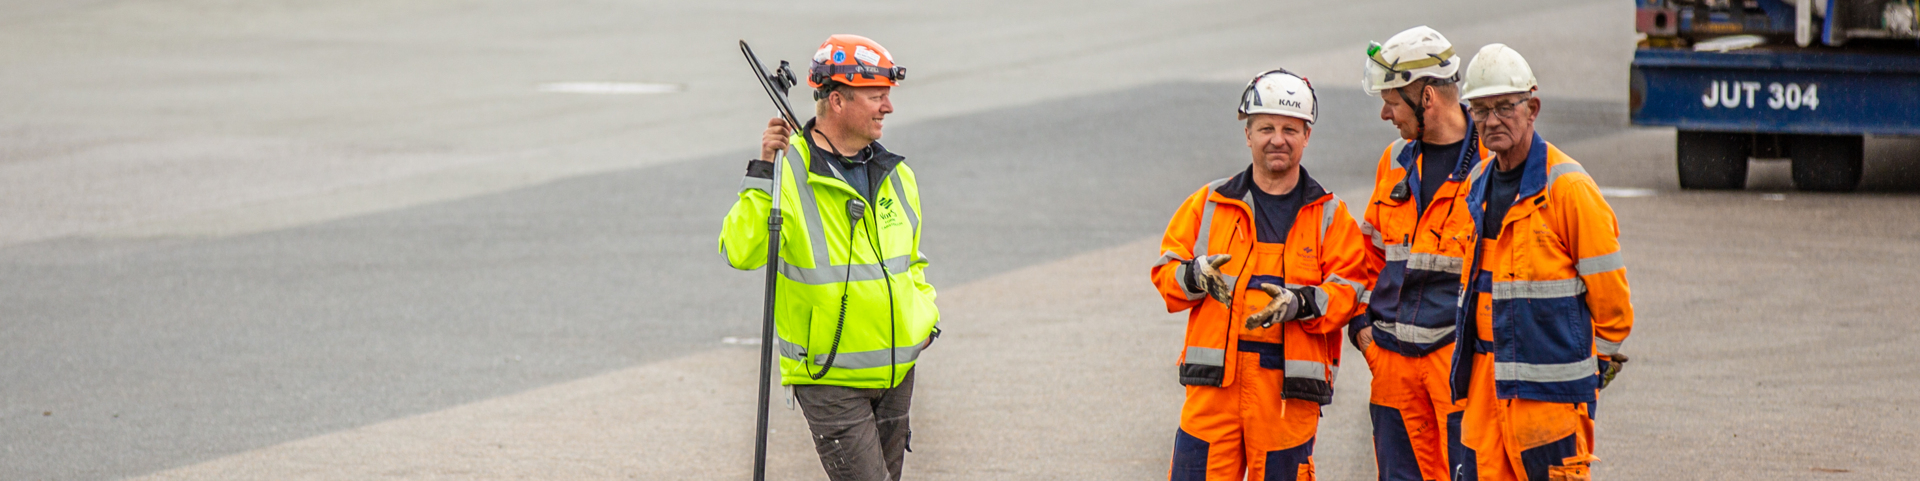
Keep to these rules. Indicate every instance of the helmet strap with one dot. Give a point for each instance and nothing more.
(827, 87)
(1419, 109)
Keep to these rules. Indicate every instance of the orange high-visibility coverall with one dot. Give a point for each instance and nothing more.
(1546, 311)
(1416, 423)
(1254, 395)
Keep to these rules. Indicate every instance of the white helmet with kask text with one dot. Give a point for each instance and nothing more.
(1280, 92)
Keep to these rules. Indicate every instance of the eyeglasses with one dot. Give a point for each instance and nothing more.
(1504, 109)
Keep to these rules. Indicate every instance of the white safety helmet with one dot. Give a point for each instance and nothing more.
(1498, 70)
(1280, 92)
(1409, 55)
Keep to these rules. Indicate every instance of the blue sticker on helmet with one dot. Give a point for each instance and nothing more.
(839, 56)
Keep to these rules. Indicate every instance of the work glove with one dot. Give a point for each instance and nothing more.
(1610, 369)
(1285, 306)
(1204, 273)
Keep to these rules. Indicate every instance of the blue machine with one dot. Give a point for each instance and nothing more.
(1804, 83)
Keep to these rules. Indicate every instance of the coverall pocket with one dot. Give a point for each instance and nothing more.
(1577, 472)
(1368, 352)
(826, 326)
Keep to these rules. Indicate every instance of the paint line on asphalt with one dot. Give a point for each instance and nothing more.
(1625, 192)
(610, 88)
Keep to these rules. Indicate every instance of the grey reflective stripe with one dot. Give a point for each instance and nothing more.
(1306, 369)
(1393, 153)
(836, 274)
(1206, 356)
(790, 350)
(871, 359)
(811, 210)
(853, 360)
(1414, 334)
(1598, 264)
(1480, 168)
(1434, 262)
(761, 184)
(1336, 279)
(1326, 217)
(1538, 289)
(1367, 229)
(1563, 168)
(1399, 252)
(1206, 219)
(1365, 297)
(1180, 274)
(1168, 256)
(1520, 371)
(1206, 224)
(900, 193)
(1319, 299)
(1607, 347)
(920, 258)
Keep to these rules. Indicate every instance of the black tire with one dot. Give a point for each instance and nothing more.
(1826, 163)
(1713, 160)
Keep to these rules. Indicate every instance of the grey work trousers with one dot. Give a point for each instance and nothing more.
(861, 434)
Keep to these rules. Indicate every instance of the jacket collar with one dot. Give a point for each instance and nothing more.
(1469, 153)
(1533, 180)
(817, 162)
(1239, 188)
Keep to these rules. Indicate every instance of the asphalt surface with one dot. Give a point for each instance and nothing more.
(206, 277)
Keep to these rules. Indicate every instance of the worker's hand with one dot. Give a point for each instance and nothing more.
(1205, 274)
(1364, 339)
(1285, 307)
(774, 140)
(1610, 369)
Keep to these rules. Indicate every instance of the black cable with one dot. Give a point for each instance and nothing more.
(839, 325)
(880, 255)
(1468, 150)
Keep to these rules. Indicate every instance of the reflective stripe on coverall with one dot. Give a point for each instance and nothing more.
(1416, 423)
(890, 313)
(1548, 306)
(1254, 395)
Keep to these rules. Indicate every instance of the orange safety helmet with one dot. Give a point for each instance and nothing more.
(855, 61)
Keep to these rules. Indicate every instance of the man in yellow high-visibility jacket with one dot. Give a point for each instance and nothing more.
(853, 309)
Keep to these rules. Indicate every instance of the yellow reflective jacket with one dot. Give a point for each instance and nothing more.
(875, 263)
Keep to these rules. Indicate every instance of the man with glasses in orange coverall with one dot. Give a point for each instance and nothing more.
(1546, 303)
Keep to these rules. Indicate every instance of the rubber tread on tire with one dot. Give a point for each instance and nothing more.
(1826, 163)
(1713, 160)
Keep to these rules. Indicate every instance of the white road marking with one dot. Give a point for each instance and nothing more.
(1625, 192)
(1773, 196)
(610, 88)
